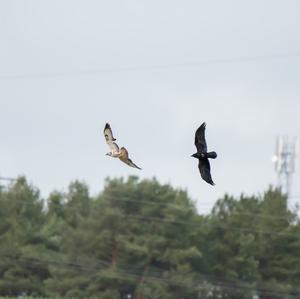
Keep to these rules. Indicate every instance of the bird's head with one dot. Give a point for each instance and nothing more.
(194, 155)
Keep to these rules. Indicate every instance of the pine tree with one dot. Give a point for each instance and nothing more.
(21, 241)
(135, 242)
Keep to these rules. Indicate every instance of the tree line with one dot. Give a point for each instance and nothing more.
(139, 239)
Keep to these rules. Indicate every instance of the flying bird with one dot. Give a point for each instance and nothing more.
(202, 155)
(115, 151)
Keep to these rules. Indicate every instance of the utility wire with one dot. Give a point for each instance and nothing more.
(104, 263)
(196, 225)
(223, 226)
(232, 213)
(7, 179)
(143, 68)
(125, 273)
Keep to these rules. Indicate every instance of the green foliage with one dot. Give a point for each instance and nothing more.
(143, 240)
(21, 214)
(133, 231)
(254, 240)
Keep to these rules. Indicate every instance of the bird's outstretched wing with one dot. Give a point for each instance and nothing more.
(110, 138)
(125, 158)
(200, 142)
(204, 168)
(108, 133)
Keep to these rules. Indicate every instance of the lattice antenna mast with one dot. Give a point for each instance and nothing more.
(285, 162)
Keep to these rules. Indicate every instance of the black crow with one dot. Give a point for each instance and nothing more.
(202, 155)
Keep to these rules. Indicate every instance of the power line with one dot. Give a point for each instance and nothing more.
(124, 273)
(144, 68)
(232, 213)
(195, 225)
(224, 226)
(294, 196)
(7, 179)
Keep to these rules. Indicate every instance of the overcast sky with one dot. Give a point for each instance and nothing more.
(155, 70)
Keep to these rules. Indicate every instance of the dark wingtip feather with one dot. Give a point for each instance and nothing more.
(211, 183)
(107, 126)
(201, 128)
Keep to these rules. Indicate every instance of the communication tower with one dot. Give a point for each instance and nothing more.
(285, 161)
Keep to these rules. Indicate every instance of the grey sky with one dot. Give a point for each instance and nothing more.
(55, 95)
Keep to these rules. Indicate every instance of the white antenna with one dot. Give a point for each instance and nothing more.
(285, 162)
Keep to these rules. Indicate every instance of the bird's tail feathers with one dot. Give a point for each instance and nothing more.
(211, 155)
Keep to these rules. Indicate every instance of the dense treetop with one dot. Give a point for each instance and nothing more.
(140, 239)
